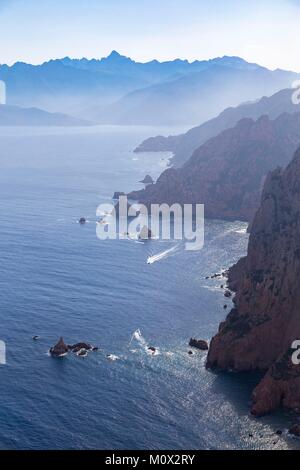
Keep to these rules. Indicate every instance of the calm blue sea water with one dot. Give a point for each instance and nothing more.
(57, 278)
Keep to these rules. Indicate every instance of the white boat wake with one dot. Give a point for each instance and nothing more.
(137, 335)
(162, 255)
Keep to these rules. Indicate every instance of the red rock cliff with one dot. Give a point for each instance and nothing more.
(227, 173)
(260, 329)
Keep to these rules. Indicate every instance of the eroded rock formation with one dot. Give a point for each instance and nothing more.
(259, 331)
(60, 349)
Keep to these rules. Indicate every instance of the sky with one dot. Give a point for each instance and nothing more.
(261, 31)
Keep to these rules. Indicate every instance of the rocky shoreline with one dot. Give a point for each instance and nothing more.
(260, 329)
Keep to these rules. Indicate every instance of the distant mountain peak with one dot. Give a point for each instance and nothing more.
(114, 53)
(116, 56)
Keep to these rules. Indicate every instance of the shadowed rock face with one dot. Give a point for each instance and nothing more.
(60, 349)
(198, 344)
(260, 329)
(228, 172)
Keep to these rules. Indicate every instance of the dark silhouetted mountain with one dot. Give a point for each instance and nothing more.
(228, 171)
(260, 329)
(16, 116)
(184, 145)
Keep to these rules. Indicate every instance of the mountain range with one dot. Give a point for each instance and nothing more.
(118, 90)
(195, 97)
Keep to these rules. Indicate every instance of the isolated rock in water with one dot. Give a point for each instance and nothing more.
(295, 430)
(147, 180)
(145, 233)
(60, 349)
(259, 331)
(35, 338)
(199, 344)
(78, 346)
(82, 221)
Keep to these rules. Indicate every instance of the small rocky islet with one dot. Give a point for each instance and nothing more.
(199, 344)
(61, 349)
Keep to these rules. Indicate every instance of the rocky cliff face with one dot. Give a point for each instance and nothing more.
(260, 329)
(227, 173)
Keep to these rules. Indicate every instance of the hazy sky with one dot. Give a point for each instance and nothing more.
(263, 31)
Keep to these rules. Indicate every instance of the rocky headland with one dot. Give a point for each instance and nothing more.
(259, 331)
(227, 173)
(159, 144)
(183, 146)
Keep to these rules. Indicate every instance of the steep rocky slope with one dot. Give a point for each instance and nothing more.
(260, 329)
(227, 172)
(185, 144)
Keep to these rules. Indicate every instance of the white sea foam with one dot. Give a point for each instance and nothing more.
(112, 357)
(137, 335)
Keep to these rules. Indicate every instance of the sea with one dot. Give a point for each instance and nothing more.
(57, 278)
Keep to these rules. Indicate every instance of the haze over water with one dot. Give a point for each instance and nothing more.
(57, 278)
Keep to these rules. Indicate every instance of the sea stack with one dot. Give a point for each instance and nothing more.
(147, 181)
(198, 344)
(259, 331)
(60, 349)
